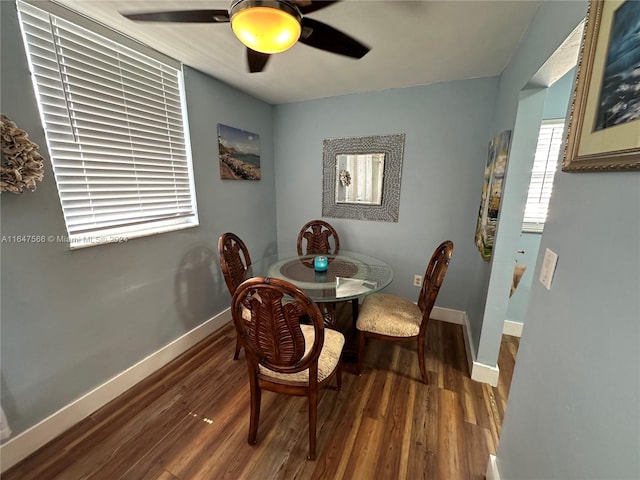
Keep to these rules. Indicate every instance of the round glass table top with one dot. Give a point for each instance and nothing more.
(349, 275)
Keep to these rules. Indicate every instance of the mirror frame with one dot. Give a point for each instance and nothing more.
(393, 148)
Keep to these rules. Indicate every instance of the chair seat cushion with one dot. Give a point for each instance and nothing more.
(390, 315)
(327, 362)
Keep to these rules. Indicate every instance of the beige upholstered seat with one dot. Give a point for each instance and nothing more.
(393, 318)
(282, 354)
(390, 315)
(327, 361)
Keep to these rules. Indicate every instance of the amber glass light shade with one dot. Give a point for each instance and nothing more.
(269, 27)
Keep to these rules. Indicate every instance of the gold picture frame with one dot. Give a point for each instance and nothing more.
(604, 124)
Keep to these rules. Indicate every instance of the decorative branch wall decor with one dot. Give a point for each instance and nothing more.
(22, 165)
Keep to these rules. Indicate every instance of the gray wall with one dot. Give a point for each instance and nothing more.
(519, 109)
(73, 319)
(529, 243)
(523, 145)
(558, 96)
(447, 131)
(556, 103)
(574, 403)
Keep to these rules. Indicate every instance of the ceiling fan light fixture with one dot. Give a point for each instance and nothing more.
(267, 26)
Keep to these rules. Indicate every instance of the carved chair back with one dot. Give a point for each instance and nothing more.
(318, 235)
(271, 334)
(283, 356)
(234, 260)
(433, 278)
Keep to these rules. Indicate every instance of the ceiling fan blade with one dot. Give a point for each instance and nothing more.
(320, 35)
(308, 6)
(192, 16)
(256, 60)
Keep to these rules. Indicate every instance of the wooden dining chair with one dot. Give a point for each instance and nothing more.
(397, 319)
(316, 236)
(283, 355)
(234, 263)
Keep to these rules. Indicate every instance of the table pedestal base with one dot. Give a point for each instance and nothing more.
(344, 319)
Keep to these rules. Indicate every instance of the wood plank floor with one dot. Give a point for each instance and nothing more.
(190, 421)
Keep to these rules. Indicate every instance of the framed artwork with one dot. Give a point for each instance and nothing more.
(239, 152)
(497, 158)
(604, 126)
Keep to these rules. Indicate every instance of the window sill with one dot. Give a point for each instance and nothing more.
(77, 242)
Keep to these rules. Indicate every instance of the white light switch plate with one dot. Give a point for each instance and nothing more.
(548, 268)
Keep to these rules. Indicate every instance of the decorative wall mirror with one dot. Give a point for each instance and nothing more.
(361, 177)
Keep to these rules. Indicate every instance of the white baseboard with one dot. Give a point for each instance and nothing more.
(492, 469)
(512, 328)
(448, 315)
(35, 437)
(468, 346)
(480, 372)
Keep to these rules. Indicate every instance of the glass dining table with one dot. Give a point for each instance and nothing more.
(349, 276)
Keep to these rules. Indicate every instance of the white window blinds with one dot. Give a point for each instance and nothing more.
(115, 129)
(544, 168)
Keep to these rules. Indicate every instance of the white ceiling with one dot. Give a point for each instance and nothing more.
(412, 43)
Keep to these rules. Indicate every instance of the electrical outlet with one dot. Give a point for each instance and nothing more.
(417, 280)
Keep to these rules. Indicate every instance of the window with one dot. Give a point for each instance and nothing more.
(115, 128)
(544, 169)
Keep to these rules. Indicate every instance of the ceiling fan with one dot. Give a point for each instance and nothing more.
(268, 26)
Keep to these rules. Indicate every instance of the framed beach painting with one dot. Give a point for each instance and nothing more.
(494, 171)
(604, 126)
(239, 152)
